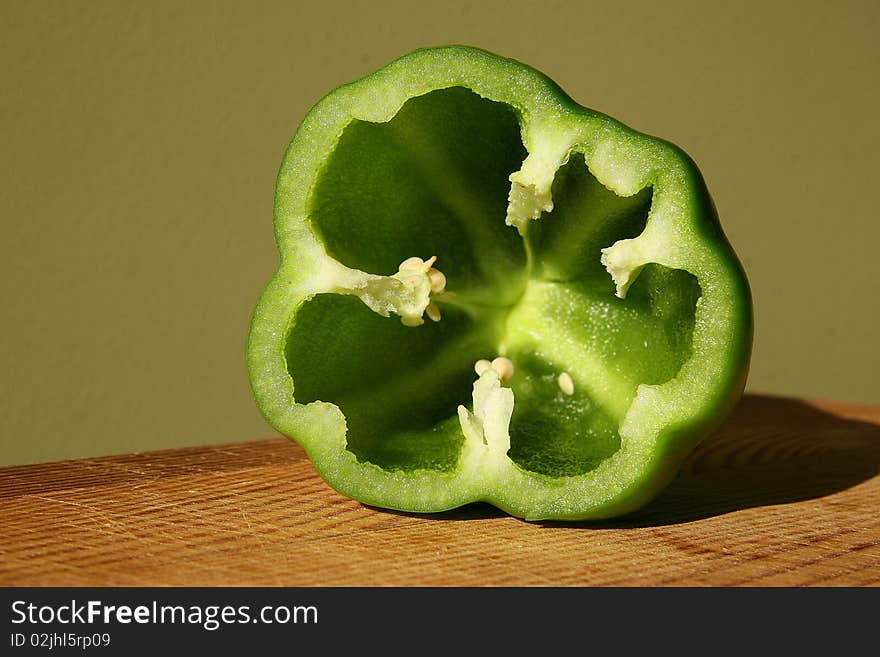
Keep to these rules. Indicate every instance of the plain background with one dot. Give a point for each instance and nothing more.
(139, 144)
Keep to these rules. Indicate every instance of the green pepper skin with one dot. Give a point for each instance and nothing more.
(658, 422)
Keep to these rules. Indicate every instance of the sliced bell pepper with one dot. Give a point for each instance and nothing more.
(487, 292)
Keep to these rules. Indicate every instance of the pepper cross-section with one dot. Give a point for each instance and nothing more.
(487, 292)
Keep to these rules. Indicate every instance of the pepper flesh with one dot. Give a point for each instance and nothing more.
(570, 244)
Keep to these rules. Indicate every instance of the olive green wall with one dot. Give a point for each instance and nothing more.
(140, 142)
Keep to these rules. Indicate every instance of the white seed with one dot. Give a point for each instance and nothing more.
(437, 280)
(566, 385)
(414, 271)
(504, 367)
(481, 366)
(411, 264)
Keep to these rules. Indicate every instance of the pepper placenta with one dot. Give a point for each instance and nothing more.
(487, 292)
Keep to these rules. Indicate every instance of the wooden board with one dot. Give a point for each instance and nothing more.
(787, 493)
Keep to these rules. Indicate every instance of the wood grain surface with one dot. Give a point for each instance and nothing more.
(786, 494)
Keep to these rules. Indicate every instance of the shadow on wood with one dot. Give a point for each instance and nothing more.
(772, 450)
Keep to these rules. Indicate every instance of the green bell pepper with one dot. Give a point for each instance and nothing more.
(588, 323)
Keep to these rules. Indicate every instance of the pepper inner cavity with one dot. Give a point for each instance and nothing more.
(435, 181)
(431, 181)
